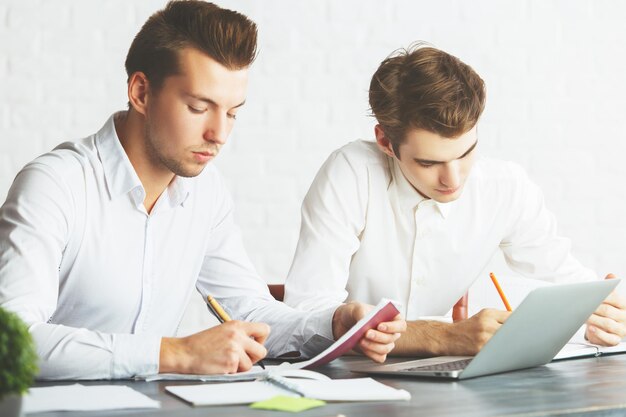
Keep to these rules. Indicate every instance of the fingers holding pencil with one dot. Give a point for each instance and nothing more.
(223, 317)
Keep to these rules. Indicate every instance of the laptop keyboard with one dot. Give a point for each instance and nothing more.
(446, 366)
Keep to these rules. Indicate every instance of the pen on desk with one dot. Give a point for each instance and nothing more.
(497, 284)
(222, 315)
(283, 383)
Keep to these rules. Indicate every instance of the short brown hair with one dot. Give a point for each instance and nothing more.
(425, 88)
(225, 35)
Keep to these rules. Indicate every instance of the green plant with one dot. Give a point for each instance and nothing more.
(18, 359)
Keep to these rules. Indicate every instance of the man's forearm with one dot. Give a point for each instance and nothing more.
(465, 337)
(424, 338)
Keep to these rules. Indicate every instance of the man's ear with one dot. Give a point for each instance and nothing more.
(383, 143)
(138, 89)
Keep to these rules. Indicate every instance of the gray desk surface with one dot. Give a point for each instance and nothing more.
(592, 386)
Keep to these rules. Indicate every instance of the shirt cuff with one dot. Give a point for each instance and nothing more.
(135, 355)
(325, 326)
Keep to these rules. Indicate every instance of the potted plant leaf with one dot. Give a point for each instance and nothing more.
(18, 363)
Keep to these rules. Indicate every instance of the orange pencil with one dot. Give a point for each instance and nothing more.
(497, 284)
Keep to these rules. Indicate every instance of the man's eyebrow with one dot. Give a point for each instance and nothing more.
(428, 161)
(212, 102)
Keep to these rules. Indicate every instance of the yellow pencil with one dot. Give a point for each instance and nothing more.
(497, 284)
(222, 315)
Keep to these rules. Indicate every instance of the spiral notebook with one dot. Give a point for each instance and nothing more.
(574, 350)
(360, 389)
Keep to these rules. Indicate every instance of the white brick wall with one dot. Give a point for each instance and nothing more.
(554, 71)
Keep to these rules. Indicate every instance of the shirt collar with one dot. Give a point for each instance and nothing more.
(120, 176)
(179, 190)
(409, 197)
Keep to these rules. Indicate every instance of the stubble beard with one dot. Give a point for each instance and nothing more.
(156, 156)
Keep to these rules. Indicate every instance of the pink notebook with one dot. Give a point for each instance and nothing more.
(384, 311)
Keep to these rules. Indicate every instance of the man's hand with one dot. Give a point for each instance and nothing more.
(607, 325)
(376, 343)
(230, 347)
(467, 337)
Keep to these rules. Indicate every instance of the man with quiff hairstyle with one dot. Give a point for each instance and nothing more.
(102, 240)
(417, 215)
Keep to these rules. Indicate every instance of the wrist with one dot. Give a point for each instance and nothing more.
(171, 357)
(337, 322)
(447, 339)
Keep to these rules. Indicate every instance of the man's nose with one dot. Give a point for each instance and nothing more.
(216, 129)
(451, 175)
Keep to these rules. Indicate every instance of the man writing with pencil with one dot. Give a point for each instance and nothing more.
(103, 240)
(417, 215)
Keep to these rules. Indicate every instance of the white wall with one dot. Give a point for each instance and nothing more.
(554, 72)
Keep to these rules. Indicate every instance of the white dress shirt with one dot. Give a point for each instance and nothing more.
(99, 281)
(366, 233)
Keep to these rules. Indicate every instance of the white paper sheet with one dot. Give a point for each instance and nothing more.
(79, 397)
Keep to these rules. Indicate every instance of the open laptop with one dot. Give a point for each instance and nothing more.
(542, 324)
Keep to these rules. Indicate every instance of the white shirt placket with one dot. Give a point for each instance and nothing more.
(423, 216)
(141, 323)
